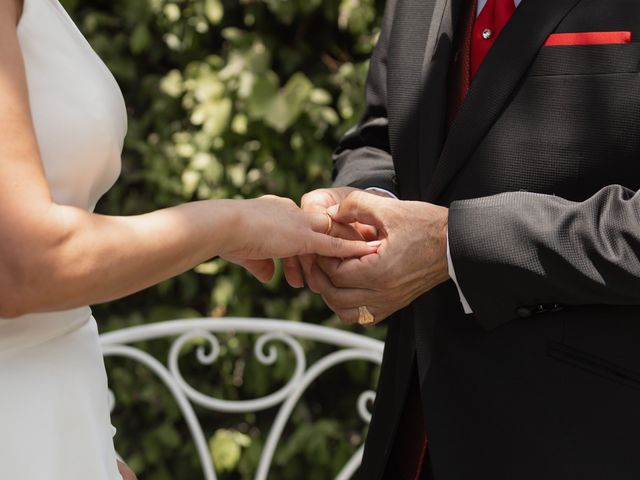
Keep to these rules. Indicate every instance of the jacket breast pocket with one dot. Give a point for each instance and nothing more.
(586, 60)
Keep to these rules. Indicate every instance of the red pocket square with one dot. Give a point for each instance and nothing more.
(588, 38)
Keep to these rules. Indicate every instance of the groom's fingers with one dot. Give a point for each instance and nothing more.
(317, 280)
(317, 201)
(328, 246)
(351, 273)
(347, 232)
(368, 232)
(344, 302)
(359, 207)
(321, 199)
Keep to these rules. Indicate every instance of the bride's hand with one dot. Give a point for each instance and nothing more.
(273, 227)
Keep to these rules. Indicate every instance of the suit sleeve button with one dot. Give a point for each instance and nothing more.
(524, 312)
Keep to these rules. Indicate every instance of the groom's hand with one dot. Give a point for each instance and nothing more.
(411, 260)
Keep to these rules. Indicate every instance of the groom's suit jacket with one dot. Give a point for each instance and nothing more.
(540, 170)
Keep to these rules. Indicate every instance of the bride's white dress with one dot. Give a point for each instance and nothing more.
(54, 415)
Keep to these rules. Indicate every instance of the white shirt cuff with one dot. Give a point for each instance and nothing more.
(381, 190)
(452, 273)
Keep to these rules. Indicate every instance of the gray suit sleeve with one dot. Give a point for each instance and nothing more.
(518, 254)
(363, 157)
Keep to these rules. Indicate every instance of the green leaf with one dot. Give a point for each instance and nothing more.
(223, 292)
(140, 39)
(226, 447)
(262, 95)
(172, 84)
(289, 103)
(214, 11)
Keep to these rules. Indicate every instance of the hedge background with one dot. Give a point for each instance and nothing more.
(231, 98)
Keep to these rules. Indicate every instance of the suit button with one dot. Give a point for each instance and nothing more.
(524, 312)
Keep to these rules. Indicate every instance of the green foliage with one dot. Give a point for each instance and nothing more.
(226, 447)
(230, 98)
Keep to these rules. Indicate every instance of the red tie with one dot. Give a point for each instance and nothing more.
(488, 25)
(460, 71)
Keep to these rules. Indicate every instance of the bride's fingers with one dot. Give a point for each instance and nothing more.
(321, 222)
(335, 247)
(293, 272)
(263, 270)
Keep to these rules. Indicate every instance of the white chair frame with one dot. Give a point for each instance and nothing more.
(350, 347)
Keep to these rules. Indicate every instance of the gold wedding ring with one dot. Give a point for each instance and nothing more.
(365, 317)
(330, 225)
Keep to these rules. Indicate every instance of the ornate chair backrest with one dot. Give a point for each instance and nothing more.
(349, 346)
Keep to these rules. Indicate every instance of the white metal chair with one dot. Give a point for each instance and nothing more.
(349, 346)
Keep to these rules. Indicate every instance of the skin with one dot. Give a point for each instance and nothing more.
(84, 258)
(126, 472)
(411, 260)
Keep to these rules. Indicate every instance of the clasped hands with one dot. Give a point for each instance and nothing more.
(410, 260)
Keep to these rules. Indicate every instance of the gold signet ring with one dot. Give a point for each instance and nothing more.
(365, 317)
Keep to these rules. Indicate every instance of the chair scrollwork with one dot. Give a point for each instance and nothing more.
(348, 347)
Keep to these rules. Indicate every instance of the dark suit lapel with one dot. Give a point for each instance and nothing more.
(496, 80)
(412, 42)
(433, 104)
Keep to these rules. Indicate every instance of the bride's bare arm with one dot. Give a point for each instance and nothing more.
(55, 257)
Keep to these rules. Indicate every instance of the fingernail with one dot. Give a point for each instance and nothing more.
(332, 210)
(375, 243)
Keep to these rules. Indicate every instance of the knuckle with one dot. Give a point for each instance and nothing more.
(337, 243)
(290, 263)
(312, 196)
(357, 194)
(286, 202)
